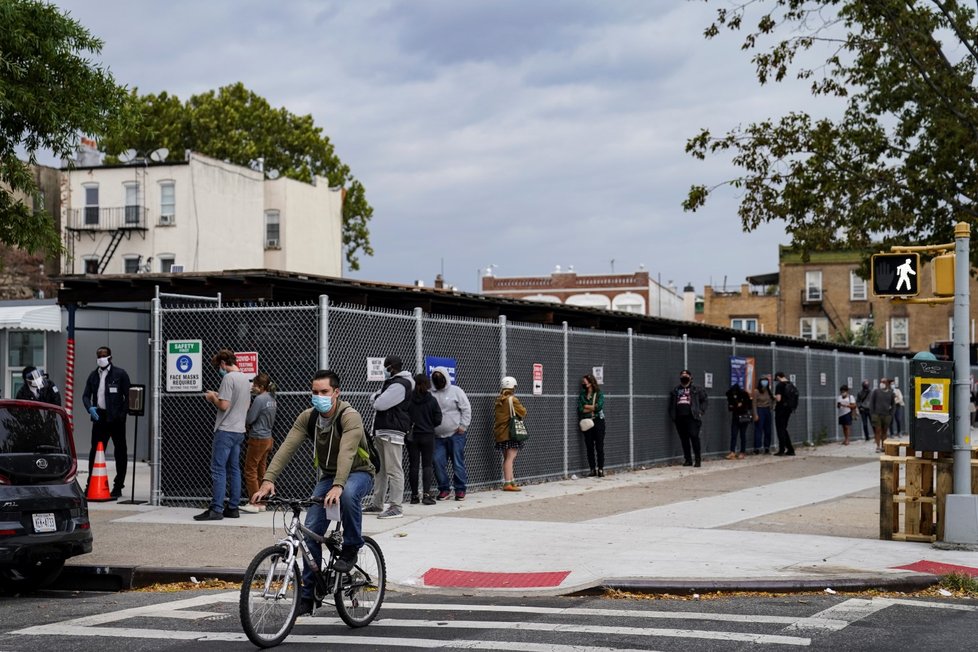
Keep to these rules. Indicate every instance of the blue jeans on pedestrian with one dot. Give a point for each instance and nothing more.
(763, 427)
(225, 468)
(453, 447)
(358, 486)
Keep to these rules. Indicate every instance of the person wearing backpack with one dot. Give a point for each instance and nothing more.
(344, 473)
(392, 420)
(785, 402)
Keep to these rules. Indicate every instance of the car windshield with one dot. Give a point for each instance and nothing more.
(30, 430)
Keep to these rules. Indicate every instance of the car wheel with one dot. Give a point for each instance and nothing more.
(36, 575)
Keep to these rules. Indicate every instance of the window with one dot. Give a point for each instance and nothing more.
(91, 204)
(629, 302)
(166, 263)
(857, 324)
(131, 264)
(857, 287)
(744, 324)
(168, 203)
(813, 286)
(39, 202)
(24, 349)
(91, 265)
(273, 233)
(132, 202)
(815, 328)
(900, 332)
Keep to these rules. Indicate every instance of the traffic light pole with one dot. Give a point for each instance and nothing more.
(961, 508)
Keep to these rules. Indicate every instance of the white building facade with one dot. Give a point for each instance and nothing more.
(197, 215)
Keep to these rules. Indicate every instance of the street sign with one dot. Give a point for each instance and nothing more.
(896, 275)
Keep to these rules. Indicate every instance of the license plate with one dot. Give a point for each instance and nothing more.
(45, 523)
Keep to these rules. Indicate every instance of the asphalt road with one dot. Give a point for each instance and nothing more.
(208, 620)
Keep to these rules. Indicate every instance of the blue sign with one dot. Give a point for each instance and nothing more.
(742, 372)
(430, 362)
(184, 364)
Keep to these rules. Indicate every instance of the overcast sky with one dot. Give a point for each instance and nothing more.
(519, 133)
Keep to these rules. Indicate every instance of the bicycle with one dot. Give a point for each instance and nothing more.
(270, 592)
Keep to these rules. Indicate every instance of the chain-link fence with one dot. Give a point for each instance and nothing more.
(639, 371)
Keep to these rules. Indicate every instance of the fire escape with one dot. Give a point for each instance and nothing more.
(816, 298)
(93, 221)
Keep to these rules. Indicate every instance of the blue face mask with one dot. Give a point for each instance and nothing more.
(763, 383)
(222, 372)
(323, 404)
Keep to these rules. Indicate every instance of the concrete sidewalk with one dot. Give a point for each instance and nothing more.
(762, 523)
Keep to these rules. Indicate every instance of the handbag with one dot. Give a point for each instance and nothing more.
(745, 417)
(517, 429)
(587, 423)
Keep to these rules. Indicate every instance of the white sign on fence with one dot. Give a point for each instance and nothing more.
(375, 369)
(183, 366)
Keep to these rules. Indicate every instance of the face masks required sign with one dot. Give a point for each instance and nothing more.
(183, 366)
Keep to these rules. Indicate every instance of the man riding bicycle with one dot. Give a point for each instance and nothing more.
(345, 475)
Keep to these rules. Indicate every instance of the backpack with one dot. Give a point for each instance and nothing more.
(791, 396)
(338, 421)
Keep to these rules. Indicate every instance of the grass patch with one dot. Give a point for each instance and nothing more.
(960, 583)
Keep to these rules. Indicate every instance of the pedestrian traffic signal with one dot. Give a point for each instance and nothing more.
(895, 275)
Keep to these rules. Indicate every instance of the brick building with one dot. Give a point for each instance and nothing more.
(636, 292)
(754, 307)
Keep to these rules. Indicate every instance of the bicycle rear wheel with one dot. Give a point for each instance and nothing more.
(361, 591)
(269, 597)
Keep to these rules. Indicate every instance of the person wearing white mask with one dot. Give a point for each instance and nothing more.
(106, 398)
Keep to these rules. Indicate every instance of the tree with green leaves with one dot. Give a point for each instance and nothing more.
(898, 165)
(239, 126)
(50, 95)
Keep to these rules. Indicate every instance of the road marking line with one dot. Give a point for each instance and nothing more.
(839, 616)
(747, 637)
(157, 610)
(929, 605)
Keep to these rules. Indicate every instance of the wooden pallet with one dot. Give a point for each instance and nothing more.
(927, 478)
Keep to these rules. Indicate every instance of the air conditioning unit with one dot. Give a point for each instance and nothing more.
(271, 243)
(176, 268)
(167, 220)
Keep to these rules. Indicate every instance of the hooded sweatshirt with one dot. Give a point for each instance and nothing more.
(456, 411)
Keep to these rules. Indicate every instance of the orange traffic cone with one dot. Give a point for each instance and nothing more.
(98, 484)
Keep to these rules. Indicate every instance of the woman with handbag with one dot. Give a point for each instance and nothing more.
(741, 414)
(507, 428)
(590, 412)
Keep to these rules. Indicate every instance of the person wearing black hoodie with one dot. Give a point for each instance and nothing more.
(425, 417)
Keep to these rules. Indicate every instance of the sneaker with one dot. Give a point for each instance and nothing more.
(741, 456)
(346, 560)
(696, 464)
(592, 474)
(688, 463)
(511, 486)
(306, 607)
(372, 510)
(428, 500)
(394, 511)
(731, 455)
(600, 473)
(232, 513)
(209, 515)
(415, 499)
(248, 508)
(459, 495)
(443, 495)
(116, 492)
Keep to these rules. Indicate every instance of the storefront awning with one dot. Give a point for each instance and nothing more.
(31, 318)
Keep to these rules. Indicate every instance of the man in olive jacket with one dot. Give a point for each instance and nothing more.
(344, 473)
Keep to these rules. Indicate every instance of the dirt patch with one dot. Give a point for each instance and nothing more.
(611, 500)
(856, 515)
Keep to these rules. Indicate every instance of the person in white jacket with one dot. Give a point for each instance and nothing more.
(456, 415)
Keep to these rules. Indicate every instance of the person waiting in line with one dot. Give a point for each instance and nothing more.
(425, 416)
(687, 404)
(896, 426)
(506, 405)
(259, 423)
(38, 387)
(881, 411)
(782, 413)
(741, 414)
(844, 407)
(391, 423)
(590, 405)
(456, 415)
(762, 402)
(862, 401)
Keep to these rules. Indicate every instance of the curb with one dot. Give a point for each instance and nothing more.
(124, 578)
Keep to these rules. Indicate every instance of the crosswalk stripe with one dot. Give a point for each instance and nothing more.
(747, 637)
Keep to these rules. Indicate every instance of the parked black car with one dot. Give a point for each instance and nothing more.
(43, 511)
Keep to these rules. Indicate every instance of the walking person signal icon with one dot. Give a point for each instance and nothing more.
(896, 275)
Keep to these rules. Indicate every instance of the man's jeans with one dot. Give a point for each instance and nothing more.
(226, 467)
(451, 447)
(358, 485)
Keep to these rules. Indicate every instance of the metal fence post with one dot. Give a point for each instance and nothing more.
(323, 331)
(685, 351)
(733, 346)
(418, 340)
(502, 345)
(631, 402)
(154, 420)
(835, 374)
(774, 360)
(566, 399)
(808, 392)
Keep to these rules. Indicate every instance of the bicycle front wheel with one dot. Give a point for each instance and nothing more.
(270, 597)
(361, 591)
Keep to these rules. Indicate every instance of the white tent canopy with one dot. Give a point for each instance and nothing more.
(31, 318)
